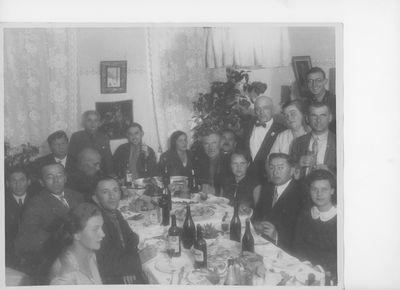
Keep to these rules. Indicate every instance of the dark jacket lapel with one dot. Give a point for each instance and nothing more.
(267, 142)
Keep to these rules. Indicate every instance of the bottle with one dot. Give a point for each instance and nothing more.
(235, 227)
(128, 176)
(248, 240)
(167, 193)
(164, 209)
(200, 250)
(193, 183)
(166, 178)
(174, 237)
(188, 230)
(231, 275)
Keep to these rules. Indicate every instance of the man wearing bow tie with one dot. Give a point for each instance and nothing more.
(261, 135)
(36, 243)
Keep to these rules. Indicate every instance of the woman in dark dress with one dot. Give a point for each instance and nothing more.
(316, 231)
(247, 189)
(178, 159)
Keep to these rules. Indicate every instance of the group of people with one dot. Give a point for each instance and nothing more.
(63, 225)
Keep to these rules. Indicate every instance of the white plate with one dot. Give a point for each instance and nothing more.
(165, 266)
(198, 278)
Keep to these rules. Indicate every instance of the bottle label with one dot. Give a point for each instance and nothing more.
(198, 255)
(173, 242)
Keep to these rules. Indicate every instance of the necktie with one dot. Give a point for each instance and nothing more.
(114, 219)
(275, 197)
(314, 146)
(259, 124)
(64, 201)
(20, 203)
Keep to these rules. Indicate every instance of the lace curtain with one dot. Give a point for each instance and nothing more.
(40, 84)
(250, 46)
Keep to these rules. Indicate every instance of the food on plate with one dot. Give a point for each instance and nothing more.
(143, 203)
(253, 263)
(199, 211)
(210, 232)
(151, 186)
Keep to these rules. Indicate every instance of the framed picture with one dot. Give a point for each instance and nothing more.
(115, 117)
(113, 77)
(301, 65)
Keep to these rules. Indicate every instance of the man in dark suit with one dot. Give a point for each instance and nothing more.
(276, 211)
(85, 177)
(136, 156)
(316, 82)
(16, 197)
(211, 165)
(36, 243)
(118, 259)
(261, 135)
(93, 138)
(317, 149)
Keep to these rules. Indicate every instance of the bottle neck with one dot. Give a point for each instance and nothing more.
(199, 234)
(173, 221)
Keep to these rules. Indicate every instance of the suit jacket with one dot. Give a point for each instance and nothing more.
(115, 259)
(81, 140)
(301, 144)
(82, 183)
(42, 218)
(121, 160)
(13, 213)
(257, 167)
(285, 212)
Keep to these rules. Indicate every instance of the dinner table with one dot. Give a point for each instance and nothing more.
(278, 266)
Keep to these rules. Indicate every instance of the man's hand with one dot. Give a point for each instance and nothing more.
(129, 279)
(307, 160)
(267, 229)
(145, 149)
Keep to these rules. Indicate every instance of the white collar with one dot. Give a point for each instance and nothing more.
(281, 188)
(321, 137)
(323, 215)
(267, 125)
(17, 198)
(58, 159)
(58, 196)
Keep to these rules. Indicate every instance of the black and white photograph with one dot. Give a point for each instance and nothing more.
(216, 165)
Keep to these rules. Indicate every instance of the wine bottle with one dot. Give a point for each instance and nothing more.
(167, 192)
(200, 250)
(193, 183)
(164, 209)
(235, 227)
(174, 237)
(166, 177)
(248, 240)
(231, 275)
(128, 176)
(188, 230)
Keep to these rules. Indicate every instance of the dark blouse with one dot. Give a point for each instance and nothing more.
(174, 164)
(245, 189)
(316, 241)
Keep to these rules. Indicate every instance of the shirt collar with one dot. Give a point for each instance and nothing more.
(58, 196)
(323, 215)
(321, 137)
(17, 198)
(267, 125)
(281, 188)
(58, 159)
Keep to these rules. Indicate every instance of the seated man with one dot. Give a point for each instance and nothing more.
(118, 259)
(317, 149)
(211, 168)
(36, 241)
(16, 196)
(136, 156)
(316, 82)
(261, 135)
(228, 142)
(276, 211)
(85, 177)
(93, 138)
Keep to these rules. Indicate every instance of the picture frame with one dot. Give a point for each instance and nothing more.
(113, 77)
(301, 65)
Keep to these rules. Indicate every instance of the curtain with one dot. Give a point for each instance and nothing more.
(249, 46)
(40, 84)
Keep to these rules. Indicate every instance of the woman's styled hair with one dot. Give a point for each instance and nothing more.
(322, 174)
(174, 137)
(238, 152)
(77, 219)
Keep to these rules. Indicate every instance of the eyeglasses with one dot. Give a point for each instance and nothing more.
(317, 81)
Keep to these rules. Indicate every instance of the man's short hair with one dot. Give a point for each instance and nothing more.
(90, 112)
(56, 135)
(134, 125)
(316, 69)
(17, 169)
(319, 105)
(227, 130)
(209, 132)
(299, 104)
(48, 164)
(104, 178)
(322, 174)
(280, 155)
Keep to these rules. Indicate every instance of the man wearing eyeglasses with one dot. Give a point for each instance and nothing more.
(316, 82)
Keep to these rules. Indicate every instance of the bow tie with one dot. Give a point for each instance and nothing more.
(263, 124)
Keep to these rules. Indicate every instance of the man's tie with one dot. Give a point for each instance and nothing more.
(64, 201)
(20, 203)
(259, 124)
(314, 146)
(275, 197)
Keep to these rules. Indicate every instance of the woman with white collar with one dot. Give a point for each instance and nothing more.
(316, 231)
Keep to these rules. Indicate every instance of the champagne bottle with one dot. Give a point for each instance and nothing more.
(200, 250)
(248, 240)
(174, 238)
(188, 230)
(235, 227)
(128, 176)
(231, 275)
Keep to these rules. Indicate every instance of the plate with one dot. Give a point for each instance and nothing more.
(199, 212)
(168, 267)
(198, 278)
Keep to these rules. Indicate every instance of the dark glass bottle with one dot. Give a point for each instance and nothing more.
(164, 209)
(167, 192)
(200, 250)
(174, 237)
(188, 230)
(248, 240)
(193, 183)
(235, 227)
(128, 176)
(166, 177)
